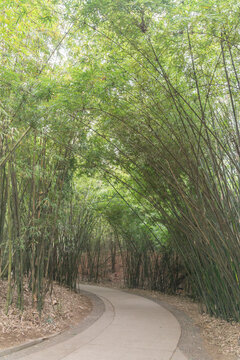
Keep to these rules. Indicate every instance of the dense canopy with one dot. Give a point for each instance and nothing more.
(119, 134)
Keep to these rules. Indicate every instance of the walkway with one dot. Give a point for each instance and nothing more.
(131, 328)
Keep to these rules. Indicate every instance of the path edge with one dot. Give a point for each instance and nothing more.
(190, 341)
(98, 308)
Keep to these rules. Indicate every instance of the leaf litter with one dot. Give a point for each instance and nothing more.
(62, 309)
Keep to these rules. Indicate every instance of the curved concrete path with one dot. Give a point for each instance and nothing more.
(131, 328)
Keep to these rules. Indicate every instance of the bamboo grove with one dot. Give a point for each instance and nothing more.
(120, 135)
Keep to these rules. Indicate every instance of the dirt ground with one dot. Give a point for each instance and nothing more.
(61, 310)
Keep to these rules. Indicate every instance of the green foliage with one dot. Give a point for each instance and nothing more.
(168, 111)
(119, 122)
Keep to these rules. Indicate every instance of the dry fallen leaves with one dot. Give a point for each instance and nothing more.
(62, 308)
